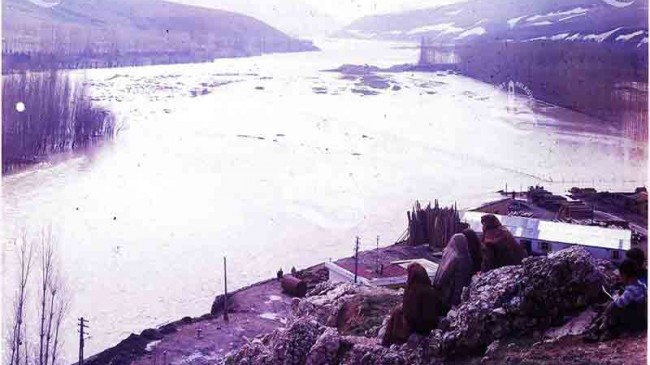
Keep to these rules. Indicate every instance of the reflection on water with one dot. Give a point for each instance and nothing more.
(275, 164)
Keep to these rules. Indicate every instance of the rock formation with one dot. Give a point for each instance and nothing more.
(509, 301)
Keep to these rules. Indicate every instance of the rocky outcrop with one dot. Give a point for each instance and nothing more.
(352, 309)
(287, 346)
(325, 350)
(517, 299)
(508, 301)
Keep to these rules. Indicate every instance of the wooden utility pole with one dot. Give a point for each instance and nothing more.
(377, 253)
(82, 334)
(225, 291)
(356, 259)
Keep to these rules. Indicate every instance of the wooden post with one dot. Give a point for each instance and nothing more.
(225, 291)
(377, 253)
(82, 326)
(356, 259)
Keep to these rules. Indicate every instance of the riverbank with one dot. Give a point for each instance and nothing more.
(257, 311)
(253, 310)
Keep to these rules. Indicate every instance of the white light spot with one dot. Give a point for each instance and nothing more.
(20, 106)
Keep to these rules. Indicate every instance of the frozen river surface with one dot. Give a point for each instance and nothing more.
(275, 163)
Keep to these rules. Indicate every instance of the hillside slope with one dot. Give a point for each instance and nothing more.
(116, 28)
(517, 20)
(586, 55)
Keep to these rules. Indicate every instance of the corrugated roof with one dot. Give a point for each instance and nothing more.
(531, 228)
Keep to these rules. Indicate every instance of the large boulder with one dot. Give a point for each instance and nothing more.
(352, 309)
(285, 346)
(510, 300)
(325, 351)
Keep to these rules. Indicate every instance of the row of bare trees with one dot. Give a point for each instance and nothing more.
(46, 113)
(38, 271)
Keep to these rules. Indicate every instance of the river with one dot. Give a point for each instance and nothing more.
(274, 163)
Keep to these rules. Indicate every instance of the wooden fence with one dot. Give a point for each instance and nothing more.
(432, 225)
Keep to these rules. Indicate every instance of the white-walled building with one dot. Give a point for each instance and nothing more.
(393, 275)
(541, 237)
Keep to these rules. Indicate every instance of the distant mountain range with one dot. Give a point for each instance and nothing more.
(101, 29)
(516, 20)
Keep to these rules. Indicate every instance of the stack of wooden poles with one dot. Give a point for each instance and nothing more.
(432, 225)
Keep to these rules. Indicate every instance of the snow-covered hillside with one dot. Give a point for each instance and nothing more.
(517, 20)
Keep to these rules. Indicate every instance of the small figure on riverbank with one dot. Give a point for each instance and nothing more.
(637, 256)
(499, 246)
(625, 312)
(454, 272)
(279, 274)
(418, 312)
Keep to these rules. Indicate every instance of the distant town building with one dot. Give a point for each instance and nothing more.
(575, 209)
(545, 199)
(438, 56)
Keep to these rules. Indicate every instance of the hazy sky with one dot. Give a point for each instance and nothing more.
(348, 10)
(313, 17)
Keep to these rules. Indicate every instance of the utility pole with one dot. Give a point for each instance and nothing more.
(356, 259)
(377, 253)
(82, 326)
(225, 291)
(593, 213)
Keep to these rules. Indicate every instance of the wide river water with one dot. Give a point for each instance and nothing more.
(273, 163)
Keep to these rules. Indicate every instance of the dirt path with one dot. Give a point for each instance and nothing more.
(256, 310)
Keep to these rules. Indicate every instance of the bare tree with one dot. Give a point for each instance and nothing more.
(57, 310)
(47, 258)
(61, 311)
(51, 309)
(17, 336)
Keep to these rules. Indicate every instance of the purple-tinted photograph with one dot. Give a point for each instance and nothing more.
(324, 182)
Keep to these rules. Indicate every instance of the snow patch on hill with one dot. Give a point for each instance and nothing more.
(602, 36)
(627, 37)
(443, 28)
(472, 32)
(554, 14)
